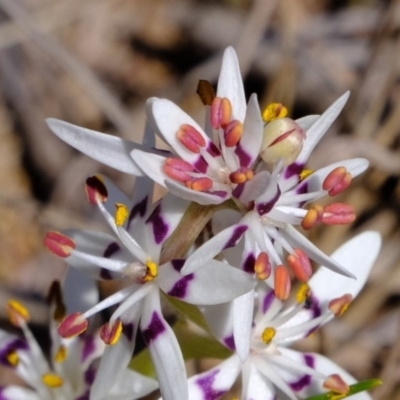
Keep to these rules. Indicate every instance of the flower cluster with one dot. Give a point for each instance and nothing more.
(226, 243)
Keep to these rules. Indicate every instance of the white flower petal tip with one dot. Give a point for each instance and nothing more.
(107, 149)
(357, 255)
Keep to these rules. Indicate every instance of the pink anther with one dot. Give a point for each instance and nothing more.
(96, 191)
(73, 325)
(199, 184)
(282, 282)
(221, 112)
(178, 169)
(338, 214)
(191, 138)
(340, 305)
(111, 332)
(300, 265)
(262, 266)
(336, 384)
(59, 244)
(337, 180)
(232, 133)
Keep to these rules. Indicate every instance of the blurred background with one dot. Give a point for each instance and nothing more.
(93, 63)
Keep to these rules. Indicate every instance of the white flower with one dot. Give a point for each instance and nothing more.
(70, 371)
(271, 367)
(134, 255)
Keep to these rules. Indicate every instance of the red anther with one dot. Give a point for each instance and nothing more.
(340, 305)
(73, 325)
(241, 175)
(178, 169)
(338, 214)
(336, 384)
(191, 138)
(199, 184)
(313, 217)
(262, 266)
(337, 180)
(282, 282)
(96, 191)
(300, 264)
(221, 112)
(110, 333)
(232, 133)
(59, 244)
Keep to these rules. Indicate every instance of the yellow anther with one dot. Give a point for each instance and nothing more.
(17, 312)
(303, 293)
(121, 214)
(13, 358)
(152, 271)
(52, 380)
(306, 173)
(274, 111)
(61, 354)
(268, 334)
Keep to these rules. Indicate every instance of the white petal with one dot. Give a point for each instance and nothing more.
(204, 198)
(320, 127)
(131, 385)
(215, 283)
(307, 121)
(107, 149)
(254, 188)
(230, 84)
(213, 384)
(151, 165)
(242, 323)
(250, 143)
(17, 392)
(256, 387)
(164, 349)
(227, 238)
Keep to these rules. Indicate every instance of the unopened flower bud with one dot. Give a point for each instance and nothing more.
(283, 139)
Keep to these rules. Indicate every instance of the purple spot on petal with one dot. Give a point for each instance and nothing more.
(90, 374)
(200, 165)
(2, 394)
(128, 330)
(14, 345)
(213, 149)
(160, 228)
(111, 249)
(236, 236)
(85, 396)
(230, 343)
(248, 265)
(237, 192)
(138, 209)
(302, 188)
(264, 208)
(177, 264)
(268, 300)
(206, 384)
(294, 169)
(304, 380)
(155, 328)
(180, 288)
(105, 274)
(88, 346)
(244, 157)
(219, 193)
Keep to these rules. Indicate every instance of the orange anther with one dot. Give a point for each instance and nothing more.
(59, 244)
(96, 191)
(337, 180)
(274, 111)
(262, 266)
(340, 305)
(282, 282)
(232, 133)
(199, 184)
(300, 264)
(336, 384)
(221, 112)
(73, 325)
(242, 175)
(338, 214)
(313, 216)
(178, 169)
(110, 333)
(191, 138)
